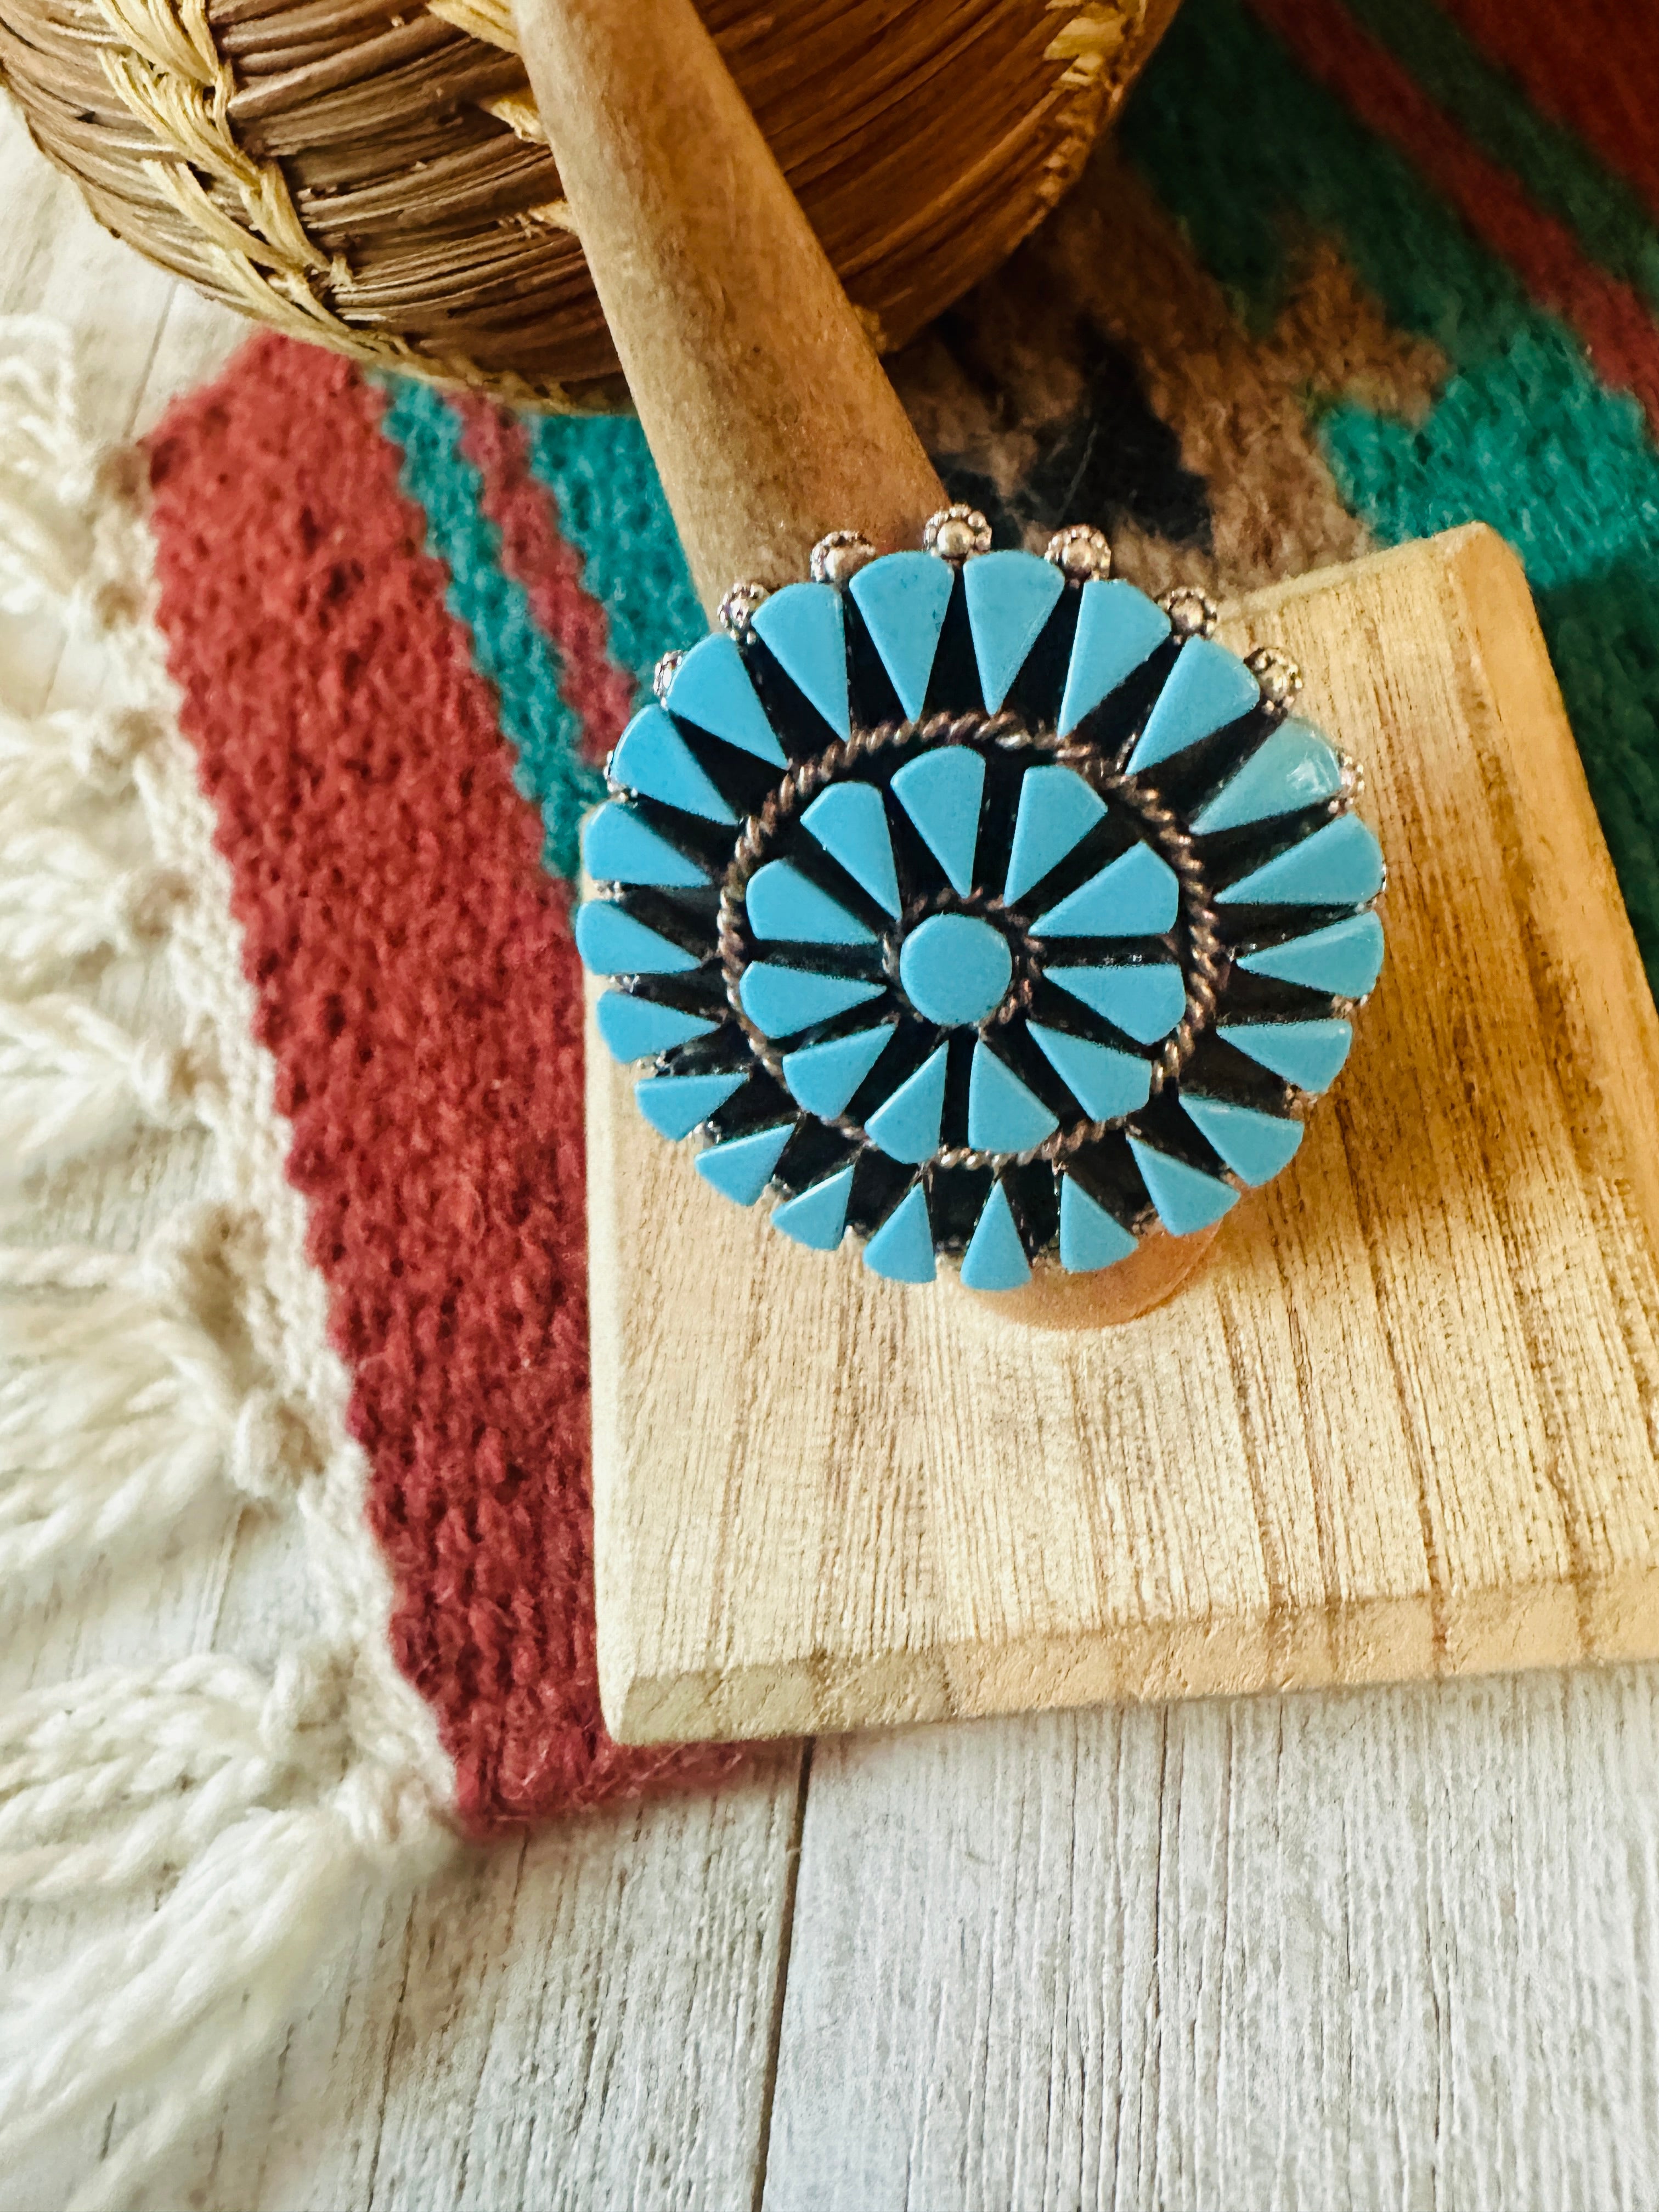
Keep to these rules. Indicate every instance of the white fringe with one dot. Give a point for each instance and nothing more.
(274, 1811)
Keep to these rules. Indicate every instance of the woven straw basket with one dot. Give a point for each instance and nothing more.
(372, 173)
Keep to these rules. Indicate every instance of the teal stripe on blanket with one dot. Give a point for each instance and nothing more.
(611, 508)
(508, 648)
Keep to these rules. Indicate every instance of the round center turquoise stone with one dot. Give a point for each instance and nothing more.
(955, 968)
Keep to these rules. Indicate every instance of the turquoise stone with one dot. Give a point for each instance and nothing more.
(741, 1168)
(941, 791)
(1138, 895)
(674, 1104)
(849, 821)
(611, 943)
(1105, 1082)
(822, 1078)
(1255, 1146)
(1186, 1198)
(903, 599)
(1090, 1238)
(902, 1248)
(711, 688)
(1003, 1114)
(785, 906)
(817, 1218)
(653, 759)
(906, 1125)
(803, 628)
(995, 1259)
(1208, 688)
(780, 1000)
(1341, 865)
(1057, 811)
(620, 847)
(1307, 1054)
(1009, 597)
(1344, 958)
(1117, 629)
(1144, 1000)
(639, 1028)
(956, 968)
(1295, 767)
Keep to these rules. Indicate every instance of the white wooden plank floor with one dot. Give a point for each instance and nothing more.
(1390, 1949)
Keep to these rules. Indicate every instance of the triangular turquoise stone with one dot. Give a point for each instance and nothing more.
(1344, 958)
(903, 599)
(817, 1216)
(611, 943)
(653, 758)
(1186, 1198)
(1104, 1083)
(1208, 688)
(1117, 628)
(803, 628)
(1057, 811)
(941, 791)
(902, 1248)
(676, 1103)
(1003, 1114)
(1295, 767)
(1145, 1001)
(1341, 865)
(785, 906)
(907, 1126)
(780, 1000)
(639, 1028)
(711, 688)
(1089, 1237)
(995, 1259)
(620, 847)
(1307, 1054)
(741, 1168)
(1255, 1146)
(1009, 597)
(849, 821)
(822, 1078)
(1138, 895)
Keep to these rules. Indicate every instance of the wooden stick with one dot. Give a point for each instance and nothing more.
(769, 417)
(766, 409)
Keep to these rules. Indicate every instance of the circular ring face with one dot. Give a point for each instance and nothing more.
(973, 905)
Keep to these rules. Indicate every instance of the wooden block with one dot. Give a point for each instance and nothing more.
(1401, 1425)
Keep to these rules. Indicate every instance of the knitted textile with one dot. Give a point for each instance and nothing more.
(1352, 275)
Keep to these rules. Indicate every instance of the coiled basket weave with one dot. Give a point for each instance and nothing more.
(373, 172)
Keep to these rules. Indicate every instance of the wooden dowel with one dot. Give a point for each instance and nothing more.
(768, 415)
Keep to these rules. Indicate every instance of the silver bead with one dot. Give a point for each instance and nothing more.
(663, 674)
(837, 558)
(1279, 677)
(956, 533)
(1081, 552)
(1191, 613)
(737, 609)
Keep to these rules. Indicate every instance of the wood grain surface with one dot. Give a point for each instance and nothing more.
(1402, 1424)
(1349, 1952)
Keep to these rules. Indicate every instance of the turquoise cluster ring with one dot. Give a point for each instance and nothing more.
(978, 905)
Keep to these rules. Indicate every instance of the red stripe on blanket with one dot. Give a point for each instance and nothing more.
(535, 556)
(1618, 333)
(417, 988)
(1594, 66)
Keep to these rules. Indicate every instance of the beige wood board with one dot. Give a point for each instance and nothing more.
(1401, 1426)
